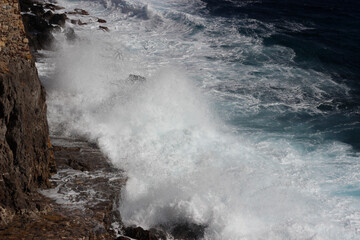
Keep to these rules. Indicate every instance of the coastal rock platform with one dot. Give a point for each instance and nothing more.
(82, 203)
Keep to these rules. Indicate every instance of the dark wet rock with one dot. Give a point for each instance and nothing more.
(136, 78)
(38, 30)
(40, 21)
(52, 7)
(188, 231)
(48, 15)
(79, 11)
(31, 6)
(104, 28)
(81, 23)
(81, 204)
(141, 234)
(58, 19)
(92, 184)
(160, 234)
(101, 20)
(78, 22)
(37, 9)
(80, 153)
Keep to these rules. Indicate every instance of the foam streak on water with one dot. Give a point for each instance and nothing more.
(202, 139)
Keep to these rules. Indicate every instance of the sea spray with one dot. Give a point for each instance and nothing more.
(205, 137)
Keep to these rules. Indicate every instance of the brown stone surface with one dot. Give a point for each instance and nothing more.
(26, 160)
(82, 203)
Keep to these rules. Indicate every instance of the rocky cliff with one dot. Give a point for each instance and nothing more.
(26, 158)
(70, 210)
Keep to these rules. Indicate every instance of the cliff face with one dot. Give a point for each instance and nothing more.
(26, 160)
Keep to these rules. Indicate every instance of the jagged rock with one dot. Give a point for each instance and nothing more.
(48, 15)
(101, 20)
(38, 31)
(26, 158)
(29, 6)
(79, 11)
(52, 7)
(81, 23)
(141, 234)
(58, 19)
(39, 23)
(136, 78)
(188, 231)
(78, 22)
(104, 28)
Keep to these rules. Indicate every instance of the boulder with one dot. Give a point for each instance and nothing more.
(101, 20)
(141, 234)
(188, 231)
(136, 78)
(104, 28)
(38, 31)
(58, 19)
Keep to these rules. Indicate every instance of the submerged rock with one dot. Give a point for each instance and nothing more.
(79, 11)
(136, 78)
(70, 34)
(78, 22)
(104, 28)
(101, 20)
(188, 231)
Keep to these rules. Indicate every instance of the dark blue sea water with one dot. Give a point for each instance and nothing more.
(248, 121)
(325, 37)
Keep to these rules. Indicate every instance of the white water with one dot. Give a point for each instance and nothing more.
(170, 133)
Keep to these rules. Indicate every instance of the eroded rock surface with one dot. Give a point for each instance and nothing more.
(26, 158)
(82, 203)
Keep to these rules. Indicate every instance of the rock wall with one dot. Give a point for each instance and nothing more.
(26, 158)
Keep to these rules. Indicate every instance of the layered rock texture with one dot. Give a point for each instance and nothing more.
(26, 158)
(83, 200)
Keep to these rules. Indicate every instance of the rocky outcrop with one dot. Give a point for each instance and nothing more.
(84, 199)
(26, 158)
(39, 21)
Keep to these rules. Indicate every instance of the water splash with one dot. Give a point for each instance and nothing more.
(171, 133)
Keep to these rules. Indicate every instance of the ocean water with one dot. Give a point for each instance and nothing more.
(248, 121)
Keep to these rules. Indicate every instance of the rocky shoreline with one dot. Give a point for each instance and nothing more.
(80, 189)
(82, 202)
(82, 197)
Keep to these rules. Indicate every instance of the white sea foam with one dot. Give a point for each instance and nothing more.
(170, 133)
